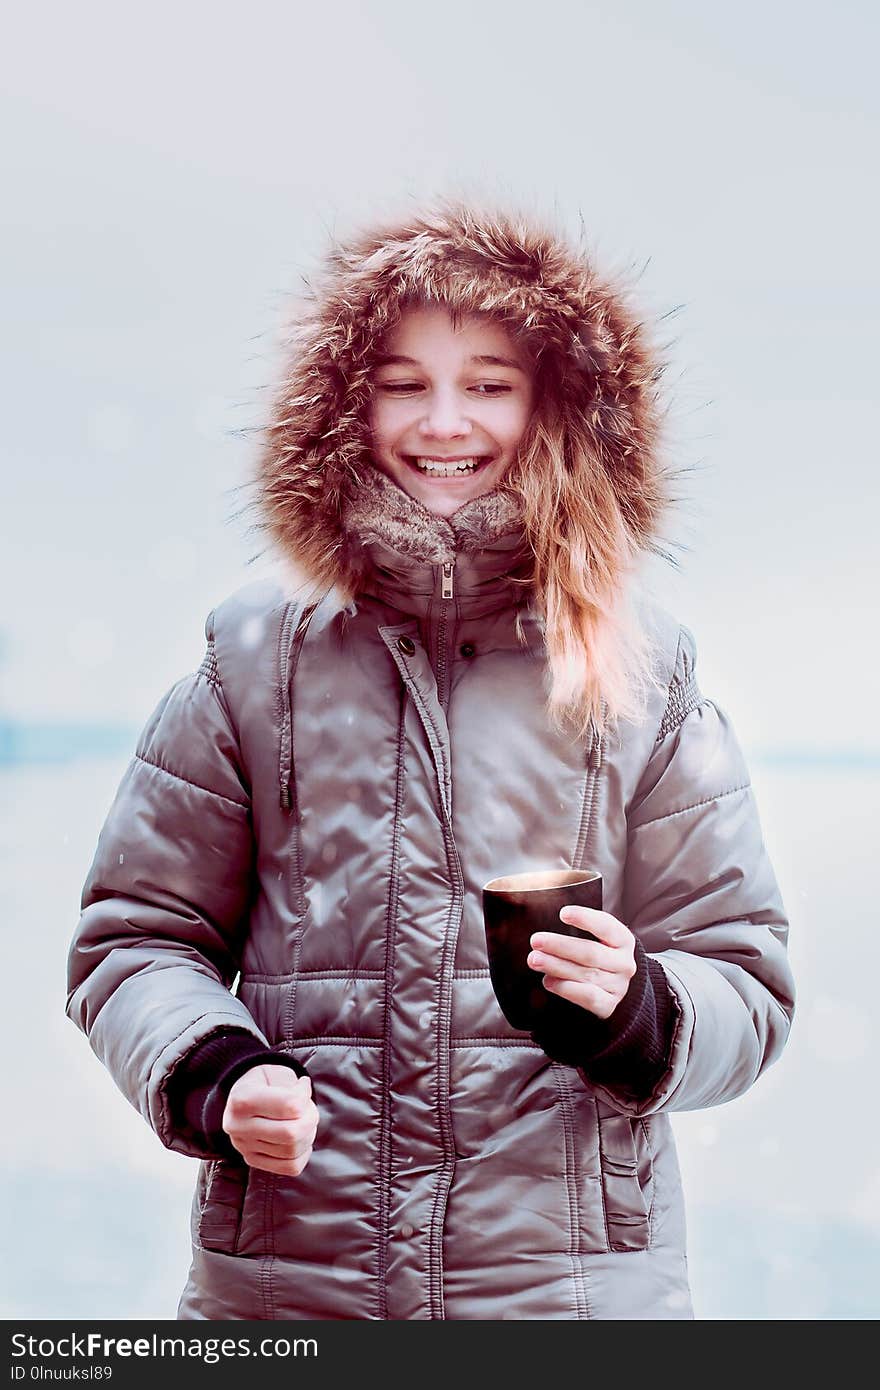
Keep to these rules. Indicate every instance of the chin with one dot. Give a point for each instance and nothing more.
(445, 506)
(441, 499)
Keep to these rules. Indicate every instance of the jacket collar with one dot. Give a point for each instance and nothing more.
(408, 556)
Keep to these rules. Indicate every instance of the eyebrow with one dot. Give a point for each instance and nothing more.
(484, 359)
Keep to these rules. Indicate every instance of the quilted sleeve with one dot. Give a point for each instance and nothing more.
(702, 897)
(165, 903)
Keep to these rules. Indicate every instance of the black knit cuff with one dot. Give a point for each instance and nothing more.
(199, 1087)
(631, 1048)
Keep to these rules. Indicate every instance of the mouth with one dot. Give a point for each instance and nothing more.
(435, 468)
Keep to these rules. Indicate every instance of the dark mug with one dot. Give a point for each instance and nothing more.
(516, 906)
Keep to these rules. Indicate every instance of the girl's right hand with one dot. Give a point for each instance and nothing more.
(272, 1120)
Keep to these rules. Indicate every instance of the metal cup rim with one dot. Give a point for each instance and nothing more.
(519, 882)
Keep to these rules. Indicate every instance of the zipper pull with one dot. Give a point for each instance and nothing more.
(446, 585)
(595, 755)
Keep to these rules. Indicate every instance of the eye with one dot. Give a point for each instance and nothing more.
(493, 388)
(398, 388)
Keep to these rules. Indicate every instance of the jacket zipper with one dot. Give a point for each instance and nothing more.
(385, 1112)
(444, 1019)
(591, 792)
(447, 594)
(595, 758)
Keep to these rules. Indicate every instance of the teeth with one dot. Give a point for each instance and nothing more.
(447, 470)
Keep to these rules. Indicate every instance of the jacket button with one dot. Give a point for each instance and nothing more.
(467, 649)
(406, 645)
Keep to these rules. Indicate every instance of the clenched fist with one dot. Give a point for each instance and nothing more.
(271, 1119)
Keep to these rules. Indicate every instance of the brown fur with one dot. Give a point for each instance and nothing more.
(382, 510)
(589, 484)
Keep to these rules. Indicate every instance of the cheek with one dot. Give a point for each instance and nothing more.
(377, 428)
(384, 423)
(516, 423)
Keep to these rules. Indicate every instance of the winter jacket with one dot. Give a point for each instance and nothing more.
(298, 849)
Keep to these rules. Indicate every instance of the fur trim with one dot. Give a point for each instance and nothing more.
(591, 356)
(380, 510)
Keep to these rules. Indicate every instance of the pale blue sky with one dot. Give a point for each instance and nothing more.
(170, 174)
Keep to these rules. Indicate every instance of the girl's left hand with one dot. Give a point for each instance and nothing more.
(593, 974)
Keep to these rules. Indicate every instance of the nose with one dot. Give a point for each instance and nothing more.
(443, 417)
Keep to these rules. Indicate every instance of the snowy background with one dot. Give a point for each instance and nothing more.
(169, 177)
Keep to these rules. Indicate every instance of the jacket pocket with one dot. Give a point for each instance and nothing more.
(220, 1217)
(627, 1169)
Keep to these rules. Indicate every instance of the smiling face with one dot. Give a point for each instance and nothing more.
(449, 406)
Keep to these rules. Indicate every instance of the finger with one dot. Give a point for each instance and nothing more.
(601, 924)
(577, 950)
(590, 997)
(288, 1168)
(286, 1078)
(253, 1095)
(282, 1151)
(559, 969)
(278, 1134)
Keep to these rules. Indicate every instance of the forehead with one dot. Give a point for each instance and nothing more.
(427, 330)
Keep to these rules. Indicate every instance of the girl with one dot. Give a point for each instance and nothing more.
(281, 957)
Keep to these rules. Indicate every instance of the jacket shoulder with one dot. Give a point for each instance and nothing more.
(244, 635)
(250, 636)
(667, 635)
(244, 621)
(240, 617)
(673, 659)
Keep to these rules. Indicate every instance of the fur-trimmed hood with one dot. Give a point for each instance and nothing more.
(595, 371)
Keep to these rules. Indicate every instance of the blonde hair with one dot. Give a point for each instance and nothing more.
(601, 660)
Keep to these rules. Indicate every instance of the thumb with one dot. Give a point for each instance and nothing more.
(273, 1092)
(287, 1078)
